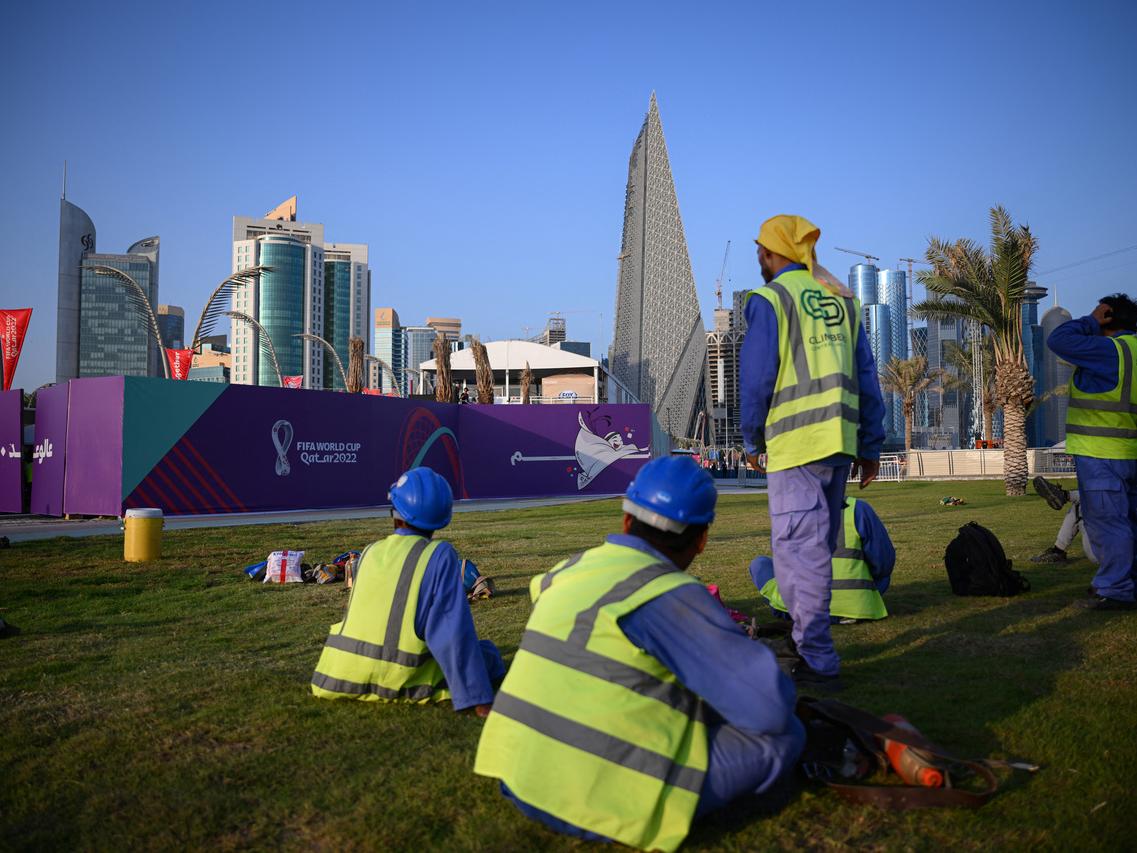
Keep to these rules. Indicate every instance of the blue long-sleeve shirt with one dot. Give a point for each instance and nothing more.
(1094, 354)
(443, 621)
(880, 553)
(758, 364)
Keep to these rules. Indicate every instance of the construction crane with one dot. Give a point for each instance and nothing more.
(722, 274)
(865, 255)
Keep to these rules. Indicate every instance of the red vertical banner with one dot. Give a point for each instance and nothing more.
(181, 360)
(13, 327)
(293, 382)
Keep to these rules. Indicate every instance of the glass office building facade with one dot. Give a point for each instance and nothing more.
(419, 342)
(281, 303)
(390, 346)
(172, 325)
(337, 319)
(115, 338)
(862, 281)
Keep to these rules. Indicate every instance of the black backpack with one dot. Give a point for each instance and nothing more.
(977, 565)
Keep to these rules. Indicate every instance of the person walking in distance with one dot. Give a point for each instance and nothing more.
(1101, 435)
(811, 402)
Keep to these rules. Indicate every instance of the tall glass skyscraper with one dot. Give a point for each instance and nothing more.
(98, 331)
(389, 346)
(281, 303)
(114, 340)
(316, 288)
(337, 316)
(1056, 374)
(1034, 348)
(863, 283)
(419, 348)
(172, 325)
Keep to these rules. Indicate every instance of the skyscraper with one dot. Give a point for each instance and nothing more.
(297, 297)
(723, 347)
(863, 283)
(892, 290)
(878, 329)
(419, 342)
(98, 331)
(1056, 374)
(449, 327)
(172, 325)
(659, 349)
(1034, 348)
(389, 346)
(347, 303)
(738, 310)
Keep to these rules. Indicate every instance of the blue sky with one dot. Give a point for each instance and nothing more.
(481, 149)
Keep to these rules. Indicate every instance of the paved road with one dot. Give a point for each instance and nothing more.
(26, 528)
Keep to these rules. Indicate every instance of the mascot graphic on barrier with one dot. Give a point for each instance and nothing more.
(597, 447)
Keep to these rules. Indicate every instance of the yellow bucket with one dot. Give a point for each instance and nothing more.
(143, 540)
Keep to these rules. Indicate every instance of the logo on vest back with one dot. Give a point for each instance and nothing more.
(821, 306)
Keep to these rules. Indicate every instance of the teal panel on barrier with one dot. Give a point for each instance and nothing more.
(156, 414)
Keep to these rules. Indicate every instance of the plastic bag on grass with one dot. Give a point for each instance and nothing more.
(284, 567)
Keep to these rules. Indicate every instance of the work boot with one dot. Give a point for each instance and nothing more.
(1053, 554)
(807, 680)
(1054, 495)
(1100, 602)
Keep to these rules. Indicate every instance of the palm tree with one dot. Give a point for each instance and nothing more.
(968, 282)
(908, 378)
(264, 342)
(329, 350)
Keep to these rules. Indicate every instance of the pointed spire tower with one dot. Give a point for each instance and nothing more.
(659, 349)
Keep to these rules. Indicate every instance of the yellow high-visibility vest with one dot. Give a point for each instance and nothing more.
(854, 594)
(374, 654)
(1104, 425)
(587, 726)
(815, 410)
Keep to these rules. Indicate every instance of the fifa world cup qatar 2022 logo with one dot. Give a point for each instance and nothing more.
(282, 440)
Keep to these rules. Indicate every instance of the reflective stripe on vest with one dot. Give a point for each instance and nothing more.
(626, 740)
(854, 593)
(1104, 425)
(814, 412)
(374, 653)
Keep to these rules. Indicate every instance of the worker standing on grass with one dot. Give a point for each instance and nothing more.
(1101, 435)
(862, 568)
(635, 704)
(811, 401)
(407, 635)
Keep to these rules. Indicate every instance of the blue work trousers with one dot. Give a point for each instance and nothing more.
(1107, 491)
(805, 516)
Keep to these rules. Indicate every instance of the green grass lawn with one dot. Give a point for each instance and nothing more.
(166, 705)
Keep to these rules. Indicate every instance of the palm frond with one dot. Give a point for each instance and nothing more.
(308, 336)
(220, 300)
(264, 342)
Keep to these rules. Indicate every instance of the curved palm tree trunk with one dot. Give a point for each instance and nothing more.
(1016, 390)
(443, 389)
(355, 380)
(909, 411)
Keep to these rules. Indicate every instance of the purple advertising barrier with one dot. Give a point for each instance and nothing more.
(266, 449)
(49, 455)
(11, 452)
(93, 483)
(529, 451)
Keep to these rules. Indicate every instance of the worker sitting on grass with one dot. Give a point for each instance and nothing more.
(862, 568)
(407, 635)
(634, 704)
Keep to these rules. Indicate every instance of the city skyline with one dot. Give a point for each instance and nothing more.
(504, 256)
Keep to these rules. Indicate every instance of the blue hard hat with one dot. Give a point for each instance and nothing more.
(670, 493)
(422, 498)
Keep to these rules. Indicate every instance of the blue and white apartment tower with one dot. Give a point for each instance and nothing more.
(863, 283)
(892, 290)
